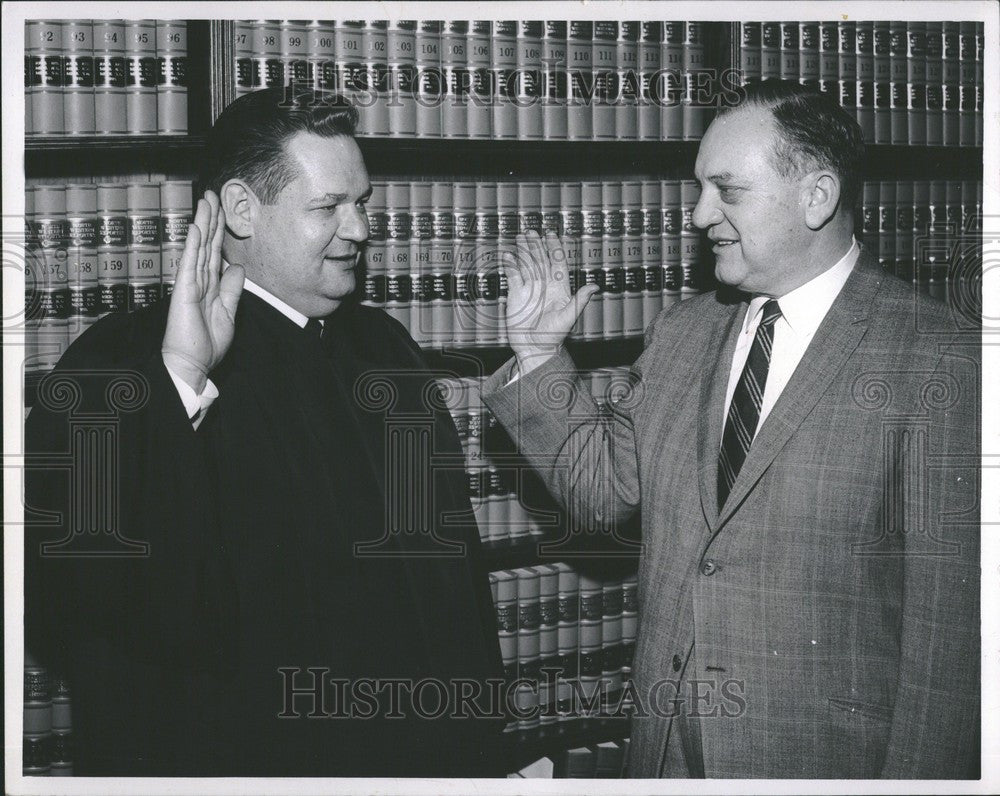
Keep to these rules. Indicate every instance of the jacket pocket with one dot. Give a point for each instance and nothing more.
(866, 709)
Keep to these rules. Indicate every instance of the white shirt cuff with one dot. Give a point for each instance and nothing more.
(195, 405)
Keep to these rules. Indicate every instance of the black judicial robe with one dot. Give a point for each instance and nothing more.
(181, 660)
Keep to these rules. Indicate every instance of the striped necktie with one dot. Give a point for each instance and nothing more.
(744, 411)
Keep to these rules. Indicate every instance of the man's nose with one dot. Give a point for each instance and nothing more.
(355, 226)
(706, 212)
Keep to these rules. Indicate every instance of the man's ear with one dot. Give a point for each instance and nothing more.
(240, 205)
(822, 198)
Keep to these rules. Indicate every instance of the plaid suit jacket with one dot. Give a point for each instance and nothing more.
(825, 622)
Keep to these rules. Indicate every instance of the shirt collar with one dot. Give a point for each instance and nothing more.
(289, 312)
(804, 308)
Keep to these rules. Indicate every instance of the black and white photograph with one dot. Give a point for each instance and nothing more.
(432, 403)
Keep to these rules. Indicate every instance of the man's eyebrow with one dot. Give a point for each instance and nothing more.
(329, 197)
(723, 176)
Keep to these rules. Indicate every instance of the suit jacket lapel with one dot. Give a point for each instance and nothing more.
(715, 380)
(836, 339)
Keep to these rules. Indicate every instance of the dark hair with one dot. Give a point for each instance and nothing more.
(814, 131)
(247, 141)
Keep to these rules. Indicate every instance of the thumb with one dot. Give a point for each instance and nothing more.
(577, 302)
(230, 288)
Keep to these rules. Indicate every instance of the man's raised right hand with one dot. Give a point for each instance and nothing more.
(202, 315)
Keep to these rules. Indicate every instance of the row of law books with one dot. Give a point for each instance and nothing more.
(438, 253)
(94, 248)
(48, 726)
(567, 640)
(500, 499)
(910, 82)
(927, 232)
(505, 80)
(105, 77)
(603, 760)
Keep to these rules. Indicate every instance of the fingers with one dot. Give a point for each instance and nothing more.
(574, 308)
(230, 288)
(215, 247)
(557, 259)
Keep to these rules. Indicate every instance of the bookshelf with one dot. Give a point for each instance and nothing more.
(213, 61)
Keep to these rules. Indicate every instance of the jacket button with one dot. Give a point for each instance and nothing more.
(708, 567)
(676, 663)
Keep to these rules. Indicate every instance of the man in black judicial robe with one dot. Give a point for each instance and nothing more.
(182, 661)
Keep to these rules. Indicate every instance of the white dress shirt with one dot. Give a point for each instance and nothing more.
(802, 311)
(197, 405)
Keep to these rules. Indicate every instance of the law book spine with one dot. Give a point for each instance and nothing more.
(690, 241)
(883, 85)
(652, 252)
(498, 504)
(112, 246)
(172, 80)
(650, 80)
(33, 269)
(78, 77)
(36, 754)
(554, 80)
(486, 287)
(591, 643)
(144, 256)
(321, 74)
(938, 250)
(81, 257)
(603, 57)
(528, 646)
(847, 66)
(967, 84)
(630, 627)
(52, 293)
(47, 112)
(670, 226)
(528, 81)
(579, 58)
(348, 60)
(632, 246)
(611, 640)
(548, 641)
(809, 54)
(696, 112)
(442, 264)
(374, 254)
(464, 320)
(401, 65)
(898, 93)
(421, 231)
(293, 49)
(921, 233)
(399, 288)
(429, 91)
(953, 216)
(672, 66)
(789, 51)
(612, 275)
(626, 94)
(375, 78)
(749, 38)
(591, 261)
(269, 71)
(455, 79)
(529, 218)
(243, 56)
(31, 74)
(980, 79)
(951, 79)
(865, 57)
(482, 92)
(571, 211)
(933, 68)
(887, 225)
(140, 77)
(829, 63)
(568, 638)
(869, 215)
(176, 214)
(506, 610)
(916, 83)
(504, 67)
(770, 50)
(904, 230)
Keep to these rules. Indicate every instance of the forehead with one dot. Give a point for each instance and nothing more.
(326, 164)
(738, 143)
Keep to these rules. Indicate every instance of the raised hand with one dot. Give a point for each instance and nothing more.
(541, 309)
(202, 315)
